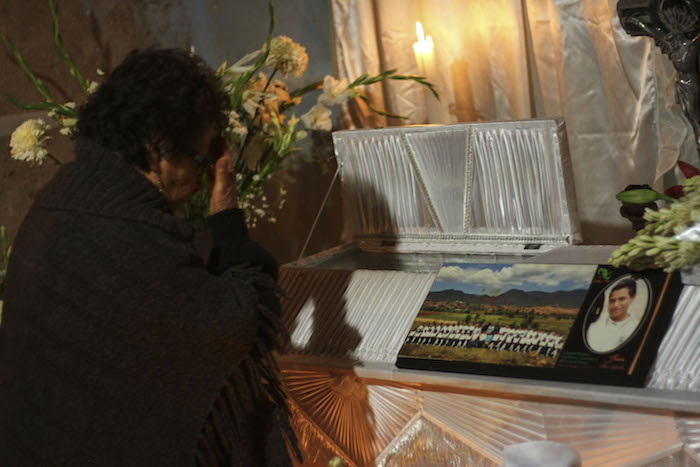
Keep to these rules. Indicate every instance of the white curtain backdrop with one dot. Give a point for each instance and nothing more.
(518, 59)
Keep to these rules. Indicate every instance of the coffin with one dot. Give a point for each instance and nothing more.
(415, 198)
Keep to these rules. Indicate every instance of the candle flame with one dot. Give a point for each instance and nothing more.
(424, 46)
(419, 32)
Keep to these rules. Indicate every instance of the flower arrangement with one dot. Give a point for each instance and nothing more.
(261, 130)
(671, 237)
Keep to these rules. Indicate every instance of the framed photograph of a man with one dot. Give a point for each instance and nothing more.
(616, 314)
(588, 323)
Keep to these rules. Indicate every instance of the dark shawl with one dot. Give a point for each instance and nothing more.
(118, 346)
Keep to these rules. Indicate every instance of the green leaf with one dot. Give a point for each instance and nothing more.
(359, 80)
(670, 199)
(38, 84)
(298, 93)
(413, 77)
(380, 112)
(419, 80)
(42, 106)
(641, 196)
(285, 106)
(241, 81)
(363, 80)
(62, 52)
(301, 91)
(380, 77)
(222, 69)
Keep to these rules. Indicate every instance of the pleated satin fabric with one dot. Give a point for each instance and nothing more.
(519, 59)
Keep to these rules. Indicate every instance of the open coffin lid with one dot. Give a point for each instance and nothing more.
(497, 187)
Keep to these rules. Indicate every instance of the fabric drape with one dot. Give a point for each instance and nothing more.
(518, 59)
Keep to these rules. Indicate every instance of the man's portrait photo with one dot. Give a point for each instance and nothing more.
(620, 309)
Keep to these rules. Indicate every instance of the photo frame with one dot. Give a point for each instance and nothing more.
(582, 323)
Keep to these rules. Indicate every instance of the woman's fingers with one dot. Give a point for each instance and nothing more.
(223, 188)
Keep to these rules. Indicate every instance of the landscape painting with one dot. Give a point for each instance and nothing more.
(502, 314)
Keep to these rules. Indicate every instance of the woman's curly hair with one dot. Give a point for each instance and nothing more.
(165, 97)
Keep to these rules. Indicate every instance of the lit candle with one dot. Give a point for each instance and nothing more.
(425, 57)
(423, 50)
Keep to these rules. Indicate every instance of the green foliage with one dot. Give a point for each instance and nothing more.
(38, 84)
(659, 244)
(62, 52)
(365, 79)
(64, 115)
(239, 82)
(642, 196)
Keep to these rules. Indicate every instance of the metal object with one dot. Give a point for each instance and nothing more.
(675, 26)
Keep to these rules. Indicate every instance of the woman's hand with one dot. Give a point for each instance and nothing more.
(223, 184)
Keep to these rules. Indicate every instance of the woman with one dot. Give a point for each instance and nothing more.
(119, 346)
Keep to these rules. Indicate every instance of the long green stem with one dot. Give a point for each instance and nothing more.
(667, 198)
(246, 184)
(62, 52)
(38, 84)
(237, 94)
(264, 157)
(54, 159)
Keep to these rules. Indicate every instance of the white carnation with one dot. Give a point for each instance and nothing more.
(318, 118)
(28, 141)
(335, 91)
(287, 56)
(235, 124)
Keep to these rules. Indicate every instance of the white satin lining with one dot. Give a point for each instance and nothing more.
(488, 179)
(518, 59)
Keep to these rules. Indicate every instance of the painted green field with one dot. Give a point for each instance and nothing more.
(549, 319)
(559, 323)
(439, 352)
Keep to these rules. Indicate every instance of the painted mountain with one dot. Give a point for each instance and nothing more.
(514, 297)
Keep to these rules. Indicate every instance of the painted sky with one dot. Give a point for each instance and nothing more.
(499, 278)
